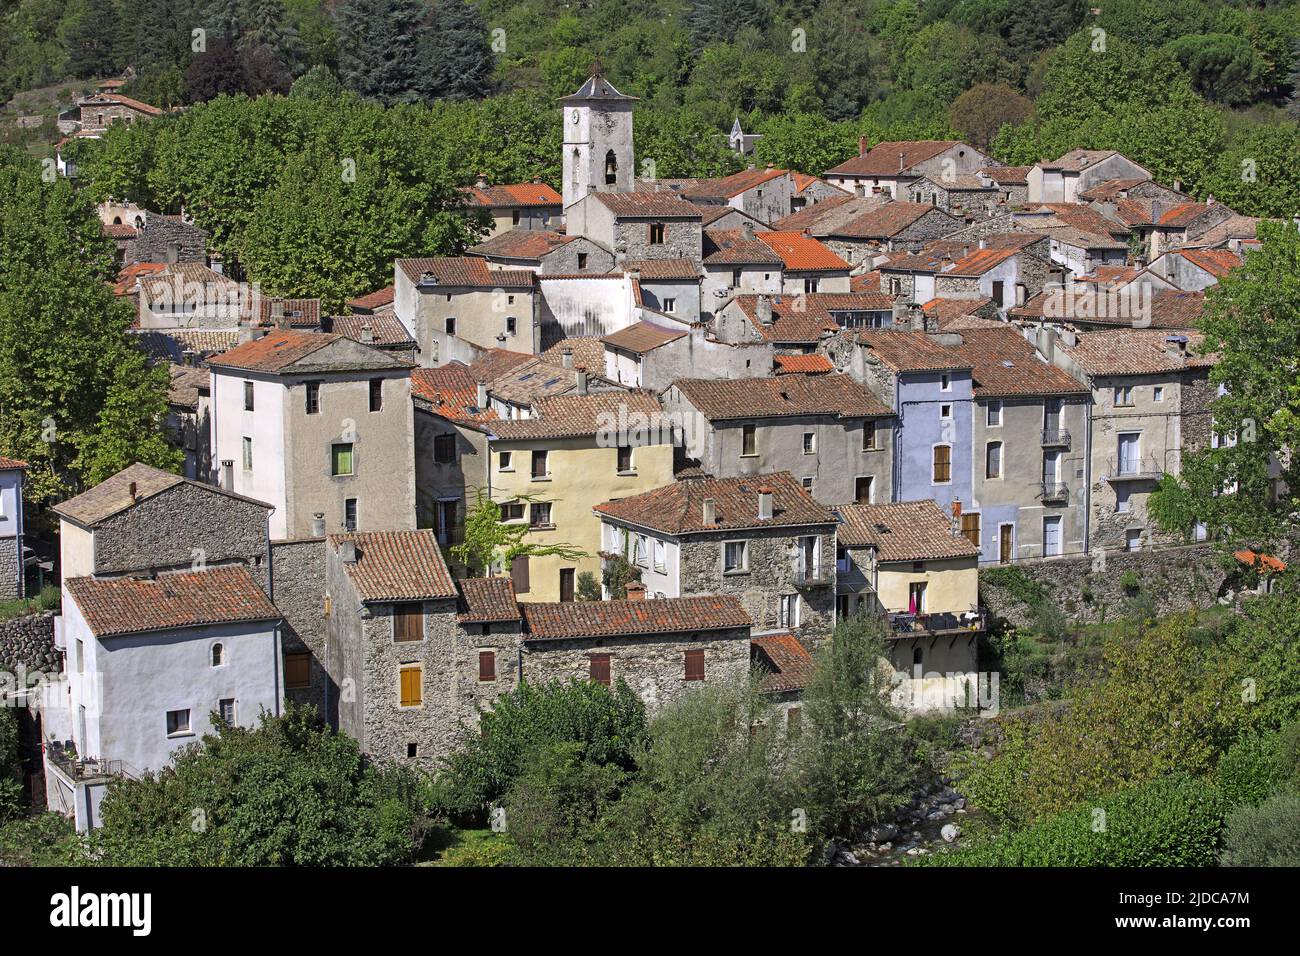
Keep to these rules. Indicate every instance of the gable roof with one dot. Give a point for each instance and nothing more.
(888, 220)
(785, 396)
(452, 393)
(464, 272)
(222, 595)
(12, 464)
(580, 619)
(788, 663)
(806, 317)
(903, 531)
(514, 194)
(1217, 262)
(522, 244)
(385, 329)
(802, 253)
(579, 416)
(286, 351)
(128, 488)
(677, 509)
(892, 157)
(980, 261)
(1007, 175)
(396, 566)
(1006, 365)
(815, 219)
(733, 247)
(647, 205)
(809, 363)
(1134, 352)
(487, 600)
(1169, 309)
(374, 300)
(907, 351)
(728, 187)
(642, 337)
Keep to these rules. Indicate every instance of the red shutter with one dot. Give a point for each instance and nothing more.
(695, 665)
(600, 668)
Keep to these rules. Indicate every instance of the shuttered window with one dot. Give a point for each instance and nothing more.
(487, 665)
(600, 668)
(970, 527)
(519, 574)
(695, 665)
(942, 463)
(412, 693)
(297, 671)
(408, 622)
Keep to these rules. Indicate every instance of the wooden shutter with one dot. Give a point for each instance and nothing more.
(695, 665)
(519, 574)
(408, 622)
(487, 665)
(297, 671)
(942, 463)
(600, 668)
(970, 527)
(411, 692)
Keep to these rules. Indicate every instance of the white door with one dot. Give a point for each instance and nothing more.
(1052, 535)
(1128, 452)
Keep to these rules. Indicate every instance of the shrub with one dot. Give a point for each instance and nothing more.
(1173, 821)
(553, 808)
(44, 839)
(11, 788)
(1258, 765)
(1264, 835)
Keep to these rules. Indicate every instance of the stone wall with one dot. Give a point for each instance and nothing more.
(11, 577)
(683, 239)
(29, 641)
(168, 239)
(1086, 588)
(299, 568)
(1197, 421)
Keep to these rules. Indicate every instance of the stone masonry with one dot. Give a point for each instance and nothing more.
(29, 641)
(300, 596)
(11, 579)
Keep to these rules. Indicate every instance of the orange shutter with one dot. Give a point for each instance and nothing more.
(412, 695)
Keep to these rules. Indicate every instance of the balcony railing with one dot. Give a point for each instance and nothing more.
(86, 768)
(811, 577)
(1135, 469)
(1056, 438)
(1054, 491)
(903, 624)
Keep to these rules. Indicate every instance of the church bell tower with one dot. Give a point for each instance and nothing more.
(597, 139)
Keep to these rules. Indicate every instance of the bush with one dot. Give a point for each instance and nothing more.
(1266, 835)
(1173, 821)
(11, 787)
(1258, 765)
(44, 839)
(608, 724)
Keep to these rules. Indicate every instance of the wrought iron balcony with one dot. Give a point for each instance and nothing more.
(903, 624)
(1054, 491)
(1056, 438)
(1135, 469)
(811, 577)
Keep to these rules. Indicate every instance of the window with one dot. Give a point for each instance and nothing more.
(248, 453)
(512, 511)
(748, 440)
(735, 278)
(993, 460)
(376, 394)
(916, 597)
(487, 666)
(539, 515)
(341, 459)
(512, 325)
(945, 412)
(444, 449)
(1123, 503)
(408, 622)
(810, 443)
(945, 382)
(1133, 539)
(1123, 394)
(624, 459)
(178, 722)
(226, 709)
(598, 668)
(789, 610)
(350, 514)
(451, 325)
(519, 574)
(218, 655)
(639, 550)
(869, 436)
(661, 556)
(735, 556)
(410, 686)
(506, 461)
(917, 657)
(297, 671)
(248, 396)
(540, 469)
(970, 527)
(582, 260)
(412, 749)
(942, 464)
(810, 285)
(695, 665)
(998, 287)
(1130, 452)
(807, 483)
(656, 233)
(670, 305)
(993, 415)
(313, 398)
(1158, 393)
(611, 168)
(1052, 535)
(863, 489)
(444, 520)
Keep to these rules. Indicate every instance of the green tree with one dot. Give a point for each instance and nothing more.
(979, 113)
(380, 45)
(288, 793)
(1267, 835)
(1222, 68)
(808, 142)
(89, 30)
(491, 543)
(77, 401)
(318, 83)
(681, 143)
(459, 51)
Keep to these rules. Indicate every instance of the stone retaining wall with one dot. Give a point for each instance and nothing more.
(29, 641)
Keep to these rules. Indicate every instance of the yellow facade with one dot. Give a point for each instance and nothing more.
(951, 586)
(580, 474)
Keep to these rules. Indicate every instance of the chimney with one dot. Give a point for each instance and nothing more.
(1140, 261)
(1047, 342)
(130, 490)
(318, 524)
(635, 591)
(965, 251)
(915, 317)
(481, 182)
(566, 357)
(228, 474)
(245, 333)
(1176, 347)
(900, 162)
(983, 243)
(582, 379)
(348, 551)
(765, 503)
(763, 307)
(707, 516)
(481, 396)
(1209, 199)
(277, 314)
(862, 146)
(747, 229)
(367, 333)
(1178, 185)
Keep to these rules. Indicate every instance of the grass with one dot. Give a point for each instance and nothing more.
(47, 600)
(451, 846)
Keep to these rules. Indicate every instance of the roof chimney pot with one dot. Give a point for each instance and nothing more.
(765, 504)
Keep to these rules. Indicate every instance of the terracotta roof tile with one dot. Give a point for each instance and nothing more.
(486, 600)
(814, 218)
(304, 313)
(781, 397)
(581, 619)
(396, 566)
(114, 494)
(578, 416)
(465, 271)
(1007, 175)
(221, 595)
(731, 247)
(12, 464)
(452, 393)
(137, 271)
(865, 282)
(588, 352)
(805, 363)
(913, 351)
(788, 664)
(888, 220)
(903, 531)
(663, 268)
(1217, 262)
(1079, 159)
(1169, 309)
(1110, 190)
(386, 329)
(515, 194)
(883, 158)
(960, 314)
(980, 261)
(647, 205)
(805, 318)
(118, 230)
(642, 337)
(186, 382)
(1007, 365)
(678, 508)
(522, 244)
(373, 300)
(281, 348)
(728, 187)
(1134, 352)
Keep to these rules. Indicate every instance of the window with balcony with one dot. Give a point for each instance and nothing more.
(539, 514)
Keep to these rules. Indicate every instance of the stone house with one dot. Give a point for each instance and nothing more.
(651, 356)
(638, 225)
(766, 194)
(1029, 431)
(188, 295)
(1007, 275)
(189, 408)
(736, 263)
(832, 434)
(661, 648)
(904, 561)
(13, 577)
(787, 669)
(762, 539)
(1150, 399)
(969, 197)
(378, 330)
(890, 168)
(1077, 172)
(1162, 226)
(1140, 303)
(523, 206)
(807, 266)
(317, 425)
(457, 307)
(1195, 270)
(101, 110)
(809, 190)
(545, 252)
(890, 227)
(597, 157)
(797, 323)
(1011, 181)
(728, 218)
(669, 287)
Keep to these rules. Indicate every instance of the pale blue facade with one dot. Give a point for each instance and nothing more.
(934, 409)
